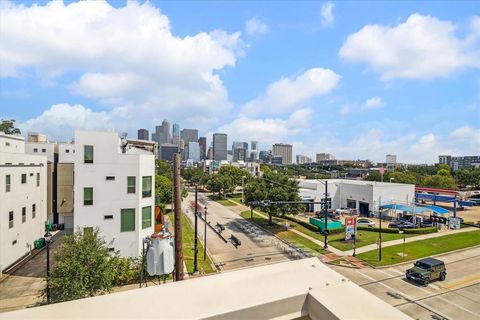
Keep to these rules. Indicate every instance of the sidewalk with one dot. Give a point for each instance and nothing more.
(373, 246)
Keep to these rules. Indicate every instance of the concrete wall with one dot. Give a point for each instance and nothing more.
(17, 241)
(110, 196)
(65, 179)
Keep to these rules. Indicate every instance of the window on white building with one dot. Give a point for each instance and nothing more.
(110, 178)
(131, 185)
(10, 220)
(35, 150)
(88, 196)
(44, 150)
(38, 179)
(146, 186)
(24, 214)
(87, 154)
(8, 183)
(34, 211)
(24, 178)
(146, 217)
(127, 220)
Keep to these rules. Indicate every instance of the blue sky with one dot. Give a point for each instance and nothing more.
(356, 79)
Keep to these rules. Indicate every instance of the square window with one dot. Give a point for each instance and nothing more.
(10, 220)
(87, 196)
(131, 187)
(146, 217)
(31, 174)
(34, 211)
(7, 183)
(24, 214)
(35, 150)
(44, 150)
(146, 186)
(24, 178)
(88, 154)
(7, 144)
(127, 220)
(67, 151)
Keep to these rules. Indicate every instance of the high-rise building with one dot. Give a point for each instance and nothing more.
(265, 156)
(459, 162)
(239, 151)
(301, 159)
(176, 133)
(219, 146)
(202, 143)
(193, 152)
(283, 150)
(167, 151)
(391, 159)
(253, 153)
(114, 190)
(446, 159)
(165, 131)
(142, 134)
(324, 157)
(23, 195)
(189, 135)
(210, 153)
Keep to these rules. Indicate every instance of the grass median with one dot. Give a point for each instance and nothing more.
(422, 248)
(188, 237)
(364, 238)
(226, 203)
(287, 235)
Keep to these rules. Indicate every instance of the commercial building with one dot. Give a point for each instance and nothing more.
(176, 133)
(167, 151)
(239, 151)
(459, 162)
(23, 194)
(114, 190)
(142, 134)
(253, 153)
(193, 152)
(219, 146)
(284, 151)
(202, 143)
(324, 156)
(162, 133)
(189, 135)
(365, 196)
(265, 156)
(301, 289)
(301, 159)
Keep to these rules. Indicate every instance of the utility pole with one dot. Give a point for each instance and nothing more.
(195, 266)
(380, 230)
(177, 195)
(325, 231)
(205, 236)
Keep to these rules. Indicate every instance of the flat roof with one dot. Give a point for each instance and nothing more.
(287, 290)
(356, 182)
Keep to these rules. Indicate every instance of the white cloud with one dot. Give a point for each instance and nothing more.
(60, 121)
(124, 56)
(255, 27)
(422, 47)
(288, 94)
(373, 103)
(327, 13)
(268, 130)
(346, 109)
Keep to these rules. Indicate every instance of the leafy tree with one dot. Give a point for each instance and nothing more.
(235, 174)
(441, 167)
(403, 177)
(440, 181)
(83, 267)
(164, 169)
(444, 172)
(376, 176)
(163, 189)
(193, 175)
(221, 184)
(8, 127)
(468, 177)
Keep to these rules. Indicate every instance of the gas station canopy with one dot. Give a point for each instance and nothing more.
(416, 209)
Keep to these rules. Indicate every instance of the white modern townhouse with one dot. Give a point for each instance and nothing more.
(23, 199)
(114, 189)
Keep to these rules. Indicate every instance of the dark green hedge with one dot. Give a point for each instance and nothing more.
(395, 230)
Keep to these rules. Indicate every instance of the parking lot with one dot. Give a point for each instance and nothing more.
(458, 297)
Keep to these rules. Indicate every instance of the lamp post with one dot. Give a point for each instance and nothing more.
(48, 239)
(391, 179)
(205, 236)
(243, 178)
(195, 265)
(325, 231)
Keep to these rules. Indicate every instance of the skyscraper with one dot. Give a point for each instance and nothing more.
(253, 154)
(239, 151)
(193, 151)
(284, 151)
(202, 143)
(176, 133)
(142, 134)
(219, 146)
(165, 131)
(189, 135)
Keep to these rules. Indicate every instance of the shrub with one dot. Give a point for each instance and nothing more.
(395, 230)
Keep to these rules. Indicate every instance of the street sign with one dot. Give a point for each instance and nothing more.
(349, 228)
(454, 223)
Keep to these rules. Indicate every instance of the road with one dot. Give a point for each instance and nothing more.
(258, 247)
(458, 297)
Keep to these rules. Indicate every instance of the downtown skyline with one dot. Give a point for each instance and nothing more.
(255, 72)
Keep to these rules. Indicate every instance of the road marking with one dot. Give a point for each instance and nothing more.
(439, 297)
(407, 297)
(462, 281)
(396, 271)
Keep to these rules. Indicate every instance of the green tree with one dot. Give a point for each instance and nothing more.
(376, 176)
(235, 174)
(468, 177)
(442, 167)
(403, 177)
(440, 181)
(8, 127)
(163, 190)
(83, 267)
(193, 175)
(164, 169)
(220, 184)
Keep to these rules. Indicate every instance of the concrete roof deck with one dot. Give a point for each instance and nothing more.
(288, 290)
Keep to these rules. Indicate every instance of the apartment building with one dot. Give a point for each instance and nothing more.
(23, 194)
(114, 190)
(284, 151)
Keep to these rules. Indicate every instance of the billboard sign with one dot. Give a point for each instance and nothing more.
(350, 228)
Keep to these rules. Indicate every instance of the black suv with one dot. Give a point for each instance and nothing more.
(427, 270)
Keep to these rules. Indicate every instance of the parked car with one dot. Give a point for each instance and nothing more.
(365, 222)
(426, 270)
(343, 211)
(426, 223)
(402, 224)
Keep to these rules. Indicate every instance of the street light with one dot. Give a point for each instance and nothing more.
(195, 265)
(243, 178)
(325, 230)
(205, 236)
(391, 179)
(48, 239)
